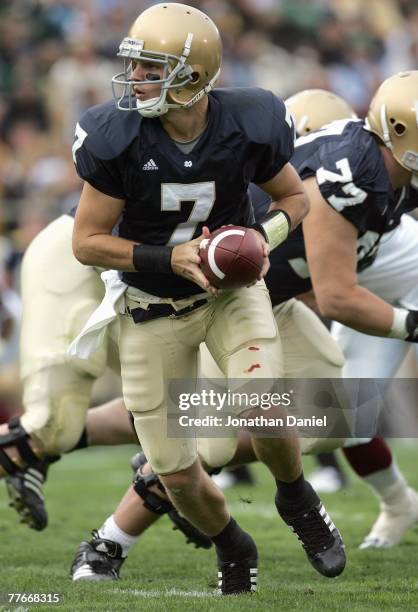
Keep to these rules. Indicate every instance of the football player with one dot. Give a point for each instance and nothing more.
(362, 177)
(175, 159)
(56, 390)
(291, 265)
(308, 351)
(373, 357)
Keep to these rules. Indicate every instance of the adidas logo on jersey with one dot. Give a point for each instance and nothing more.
(150, 165)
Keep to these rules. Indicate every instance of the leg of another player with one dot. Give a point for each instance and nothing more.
(374, 357)
(110, 424)
(374, 463)
(142, 505)
(101, 557)
(130, 519)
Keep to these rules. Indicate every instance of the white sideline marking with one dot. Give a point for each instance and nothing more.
(167, 592)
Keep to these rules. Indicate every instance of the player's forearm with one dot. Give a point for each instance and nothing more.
(283, 216)
(357, 308)
(105, 251)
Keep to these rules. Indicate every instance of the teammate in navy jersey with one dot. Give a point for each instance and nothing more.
(358, 188)
(174, 167)
(362, 179)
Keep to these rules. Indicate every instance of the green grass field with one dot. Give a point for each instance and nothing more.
(163, 573)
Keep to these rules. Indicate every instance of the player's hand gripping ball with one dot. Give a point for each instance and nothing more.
(232, 257)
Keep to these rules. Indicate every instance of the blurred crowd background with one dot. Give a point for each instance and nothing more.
(57, 58)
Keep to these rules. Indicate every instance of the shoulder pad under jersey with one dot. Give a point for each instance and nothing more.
(260, 113)
(109, 131)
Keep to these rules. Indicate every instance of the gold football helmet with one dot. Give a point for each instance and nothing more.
(393, 116)
(185, 42)
(313, 108)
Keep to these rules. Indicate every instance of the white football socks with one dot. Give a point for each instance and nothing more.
(389, 484)
(111, 531)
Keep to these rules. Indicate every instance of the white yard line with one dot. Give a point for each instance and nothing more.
(164, 593)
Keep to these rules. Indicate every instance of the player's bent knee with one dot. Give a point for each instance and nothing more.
(56, 403)
(182, 482)
(165, 455)
(216, 452)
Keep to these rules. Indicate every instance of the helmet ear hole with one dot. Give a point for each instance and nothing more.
(400, 129)
(195, 77)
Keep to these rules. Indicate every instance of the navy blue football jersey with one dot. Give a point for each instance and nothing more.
(169, 194)
(348, 165)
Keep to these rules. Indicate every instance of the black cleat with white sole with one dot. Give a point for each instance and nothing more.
(319, 536)
(97, 560)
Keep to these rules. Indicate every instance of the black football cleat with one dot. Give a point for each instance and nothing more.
(238, 575)
(236, 578)
(154, 503)
(97, 560)
(25, 490)
(319, 537)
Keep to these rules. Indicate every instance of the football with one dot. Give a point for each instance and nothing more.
(232, 257)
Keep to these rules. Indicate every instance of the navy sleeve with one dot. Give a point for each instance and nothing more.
(101, 137)
(103, 175)
(279, 149)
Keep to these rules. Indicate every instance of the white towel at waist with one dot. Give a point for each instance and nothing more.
(113, 303)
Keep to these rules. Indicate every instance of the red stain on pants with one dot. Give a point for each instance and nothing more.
(252, 367)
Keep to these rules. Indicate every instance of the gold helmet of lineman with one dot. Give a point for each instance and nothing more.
(185, 42)
(313, 108)
(393, 116)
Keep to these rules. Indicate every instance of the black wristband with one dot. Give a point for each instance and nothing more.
(260, 228)
(152, 258)
(412, 326)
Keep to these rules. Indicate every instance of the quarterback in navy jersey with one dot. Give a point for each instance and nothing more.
(169, 193)
(181, 168)
(303, 341)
